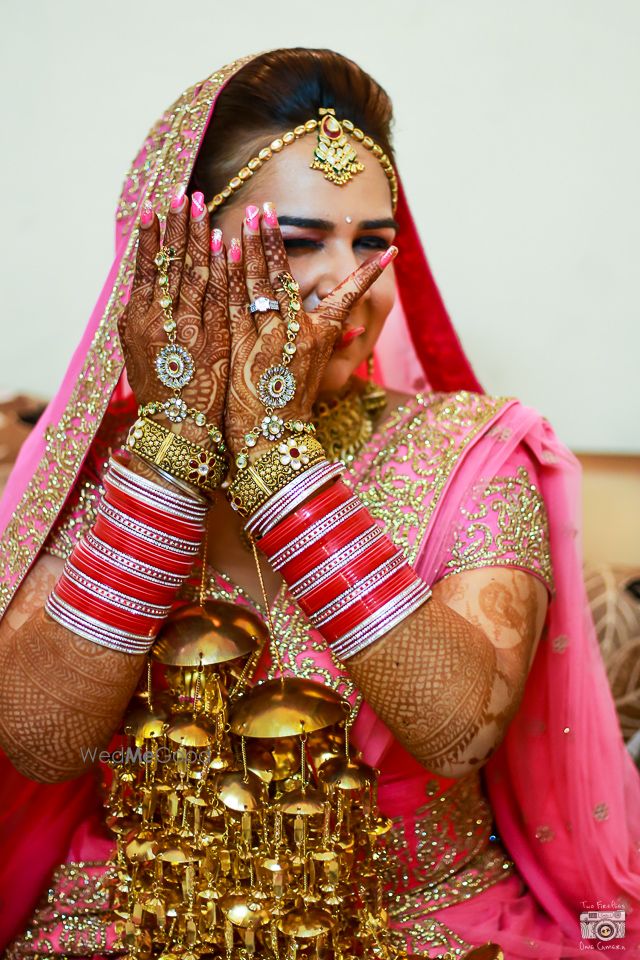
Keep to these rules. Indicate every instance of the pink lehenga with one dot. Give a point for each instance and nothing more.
(513, 854)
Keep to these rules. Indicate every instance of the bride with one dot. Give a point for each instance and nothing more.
(263, 237)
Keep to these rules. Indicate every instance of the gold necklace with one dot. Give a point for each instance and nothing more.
(345, 424)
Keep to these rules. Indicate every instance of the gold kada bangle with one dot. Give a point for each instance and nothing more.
(176, 455)
(254, 485)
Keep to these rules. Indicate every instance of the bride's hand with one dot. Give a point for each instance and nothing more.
(255, 269)
(197, 277)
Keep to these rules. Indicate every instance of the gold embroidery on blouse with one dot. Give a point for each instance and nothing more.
(429, 435)
(451, 854)
(522, 539)
(427, 935)
(166, 161)
(72, 915)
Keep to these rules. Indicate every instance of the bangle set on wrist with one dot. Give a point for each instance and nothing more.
(120, 582)
(350, 580)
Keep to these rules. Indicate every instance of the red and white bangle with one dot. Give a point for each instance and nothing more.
(292, 495)
(346, 574)
(122, 578)
(192, 508)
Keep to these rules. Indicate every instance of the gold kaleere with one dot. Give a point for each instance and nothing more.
(247, 827)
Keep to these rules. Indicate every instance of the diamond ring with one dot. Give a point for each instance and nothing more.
(263, 304)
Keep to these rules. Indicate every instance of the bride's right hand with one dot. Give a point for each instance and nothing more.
(198, 289)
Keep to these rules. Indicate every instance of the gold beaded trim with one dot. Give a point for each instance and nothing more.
(277, 145)
(176, 455)
(254, 485)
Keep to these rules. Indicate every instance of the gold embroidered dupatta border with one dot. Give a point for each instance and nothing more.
(170, 151)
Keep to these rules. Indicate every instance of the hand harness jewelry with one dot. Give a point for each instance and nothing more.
(334, 155)
(277, 385)
(175, 367)
(174, 364)
(298, 461)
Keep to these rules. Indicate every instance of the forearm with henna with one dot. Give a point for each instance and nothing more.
(60, 696)
(447, 685)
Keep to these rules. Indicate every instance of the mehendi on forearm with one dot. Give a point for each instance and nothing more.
(448, 686)
(61, 697)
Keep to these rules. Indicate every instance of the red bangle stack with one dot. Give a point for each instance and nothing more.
(120, 582)
(347, 576)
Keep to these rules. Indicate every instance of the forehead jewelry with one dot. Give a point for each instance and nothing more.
(334, 155)
(348, 219)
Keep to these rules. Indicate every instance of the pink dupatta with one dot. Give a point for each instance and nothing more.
(579, 785)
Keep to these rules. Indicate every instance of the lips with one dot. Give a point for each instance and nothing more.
(349, 336)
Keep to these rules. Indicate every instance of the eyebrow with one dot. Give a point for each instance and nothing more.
(327, 225)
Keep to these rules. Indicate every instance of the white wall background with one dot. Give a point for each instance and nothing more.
(518, 138)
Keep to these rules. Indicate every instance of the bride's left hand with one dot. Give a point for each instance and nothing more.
(255, 268)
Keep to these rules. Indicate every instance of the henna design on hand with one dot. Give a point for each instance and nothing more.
(257, 345)
(448, 684)
(60, 695)
(200, 311)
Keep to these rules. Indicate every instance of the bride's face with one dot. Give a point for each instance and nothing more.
(328, 231)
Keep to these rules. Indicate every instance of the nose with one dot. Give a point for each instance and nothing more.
(337, 264)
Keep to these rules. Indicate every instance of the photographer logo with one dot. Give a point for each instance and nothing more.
(604, 925)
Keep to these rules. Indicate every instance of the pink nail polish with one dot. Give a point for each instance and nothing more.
(388, 256)
(270, 217)
(350, 335)
(197, 206)
(146, 216)
(235, 250)
(253, 217)
(177, 200)
(216, 240)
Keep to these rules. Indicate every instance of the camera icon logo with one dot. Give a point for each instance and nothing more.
(602, 924)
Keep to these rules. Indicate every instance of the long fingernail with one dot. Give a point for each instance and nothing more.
(177, 200)
(146, 216)
(235, 250)
(216, 240)
(253, 217)
(388, 256)
(270, 217)
(350, 335)
(197, 206)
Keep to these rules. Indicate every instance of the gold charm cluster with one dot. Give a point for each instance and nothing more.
(245, 824)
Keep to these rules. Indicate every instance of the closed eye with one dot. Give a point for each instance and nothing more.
(295, 245)
(371, 243)
(301, 243)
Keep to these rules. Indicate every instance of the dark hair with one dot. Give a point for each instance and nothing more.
(277, 91)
